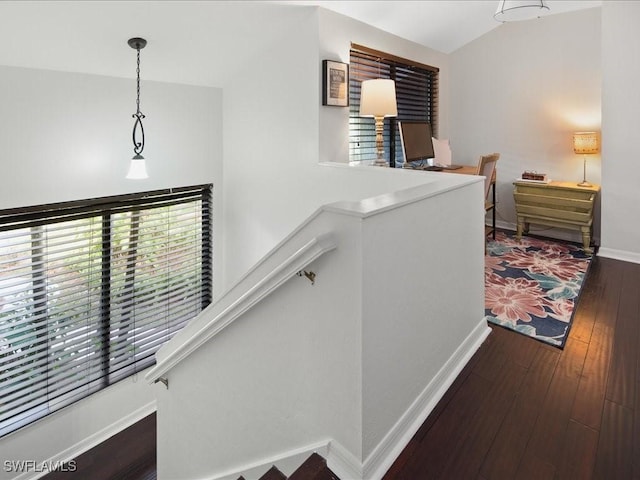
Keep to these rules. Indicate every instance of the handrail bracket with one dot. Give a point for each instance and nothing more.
(310, 275)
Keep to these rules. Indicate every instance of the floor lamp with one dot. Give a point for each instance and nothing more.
(585, 143)
(378, 100)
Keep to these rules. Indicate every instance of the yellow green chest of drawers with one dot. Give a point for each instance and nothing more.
(556, 204)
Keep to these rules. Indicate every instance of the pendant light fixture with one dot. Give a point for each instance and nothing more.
(138, 167)
(514, 10)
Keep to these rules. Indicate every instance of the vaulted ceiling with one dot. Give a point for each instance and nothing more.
(439, 24)
(189, 41)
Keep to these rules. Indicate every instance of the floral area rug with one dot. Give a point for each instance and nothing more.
(532, 286)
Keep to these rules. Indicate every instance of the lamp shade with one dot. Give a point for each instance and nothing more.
(514, 10)
(585, 142)
(378, 98)
(137, 168)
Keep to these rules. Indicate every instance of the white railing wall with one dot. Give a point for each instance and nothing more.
(351, 364)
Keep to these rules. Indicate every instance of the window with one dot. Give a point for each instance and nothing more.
(90, 290)
(416, 95)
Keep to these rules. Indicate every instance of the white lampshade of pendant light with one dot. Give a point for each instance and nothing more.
(137, 168)
(515, 10)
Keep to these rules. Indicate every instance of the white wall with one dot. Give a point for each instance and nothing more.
(270, 141)
(67, 136)
(276, 131)
(283, 375)
(414, 320)
(522, 90)
(620, 125)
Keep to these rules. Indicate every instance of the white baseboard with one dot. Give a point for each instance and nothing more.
(343, 463)
(623, 255)
(504, 225)
(396, 440)
(88, 443)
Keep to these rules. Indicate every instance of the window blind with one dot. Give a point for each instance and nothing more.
(416, 96)
(89, 291)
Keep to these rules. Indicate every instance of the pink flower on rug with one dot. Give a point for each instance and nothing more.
(547, 263)
(513, 299)
(493, 264)
(561, 309)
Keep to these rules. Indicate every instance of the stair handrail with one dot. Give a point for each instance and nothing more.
(267, 284)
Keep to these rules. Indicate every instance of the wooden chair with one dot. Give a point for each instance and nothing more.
(487, 167)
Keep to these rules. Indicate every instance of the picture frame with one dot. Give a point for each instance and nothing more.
(335, 83)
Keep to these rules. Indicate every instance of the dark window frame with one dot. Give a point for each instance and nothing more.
(417, 87)
(167, 229)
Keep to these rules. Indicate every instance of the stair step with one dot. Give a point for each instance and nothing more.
(314, 468)
(273, 474)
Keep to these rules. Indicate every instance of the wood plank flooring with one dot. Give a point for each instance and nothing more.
(128, 455)
(520, 409)
(524, 410)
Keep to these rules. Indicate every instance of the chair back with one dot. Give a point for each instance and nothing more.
(487, 167)
(442, 151)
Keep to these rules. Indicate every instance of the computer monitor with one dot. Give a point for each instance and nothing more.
(416, 140)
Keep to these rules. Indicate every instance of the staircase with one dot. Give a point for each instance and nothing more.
(286, 366)
(314, 468)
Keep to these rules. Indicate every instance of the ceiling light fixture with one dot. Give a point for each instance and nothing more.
(514, 10)
(138, 168)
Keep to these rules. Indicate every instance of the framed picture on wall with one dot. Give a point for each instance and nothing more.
(335, 83)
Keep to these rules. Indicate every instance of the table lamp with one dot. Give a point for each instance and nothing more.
(585, 143)
(378, 100)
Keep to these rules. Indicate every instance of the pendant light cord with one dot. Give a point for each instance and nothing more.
(138, 147)
(138, 85)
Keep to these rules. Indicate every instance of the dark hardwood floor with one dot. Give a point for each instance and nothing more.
(525, 410)
(519, 410)
(128, 455)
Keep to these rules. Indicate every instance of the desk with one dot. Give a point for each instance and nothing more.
(556, 204)
(466, 170)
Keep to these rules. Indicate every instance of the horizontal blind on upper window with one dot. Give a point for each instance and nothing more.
(416, 97)
(90, 290)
